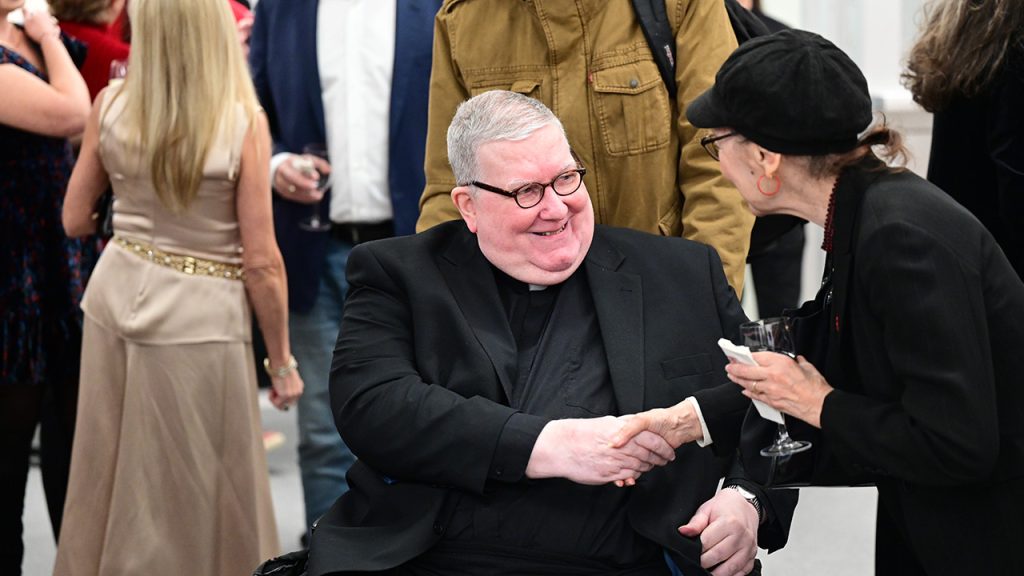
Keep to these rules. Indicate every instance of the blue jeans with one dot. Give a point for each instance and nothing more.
(323, 457)
(672, 568)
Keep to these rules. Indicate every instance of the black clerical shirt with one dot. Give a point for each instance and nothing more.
(550, 526)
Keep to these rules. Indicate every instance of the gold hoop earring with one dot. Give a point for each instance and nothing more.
(776, 184)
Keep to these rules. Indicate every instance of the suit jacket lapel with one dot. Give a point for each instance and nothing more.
(849, 196)
(618, 299)
(471, 281)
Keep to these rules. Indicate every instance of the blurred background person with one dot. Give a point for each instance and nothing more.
(169, 475)
(591, 64)
(42, 272)
(350, 79)
(770, 23)
(93, 22)
(102, 26)
(968, 68)
(916, 384)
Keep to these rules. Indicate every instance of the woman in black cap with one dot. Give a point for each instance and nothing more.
(916, 385)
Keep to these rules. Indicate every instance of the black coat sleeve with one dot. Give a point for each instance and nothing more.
(392, 418)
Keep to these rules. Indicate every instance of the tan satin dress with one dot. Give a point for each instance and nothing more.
(168, 472)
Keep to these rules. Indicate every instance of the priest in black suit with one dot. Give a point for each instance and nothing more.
(483, 365)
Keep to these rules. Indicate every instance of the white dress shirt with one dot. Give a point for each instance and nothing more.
(355, 44)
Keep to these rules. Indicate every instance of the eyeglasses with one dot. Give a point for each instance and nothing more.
(710, 143)
(529, 195)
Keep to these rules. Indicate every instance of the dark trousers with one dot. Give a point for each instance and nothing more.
(22, 408)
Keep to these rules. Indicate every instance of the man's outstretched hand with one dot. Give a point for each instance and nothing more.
(582, 450)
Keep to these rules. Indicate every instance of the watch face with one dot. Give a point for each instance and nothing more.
(744, 492)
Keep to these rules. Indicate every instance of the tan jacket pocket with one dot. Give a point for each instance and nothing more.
(523, 82)
(632, 108)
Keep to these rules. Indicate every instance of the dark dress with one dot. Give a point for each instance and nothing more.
(977, 156)
(42, 274)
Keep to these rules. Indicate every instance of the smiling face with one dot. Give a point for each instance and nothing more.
(541, 245)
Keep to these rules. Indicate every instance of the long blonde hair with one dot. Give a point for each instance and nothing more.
(186, 76)
(963, 45)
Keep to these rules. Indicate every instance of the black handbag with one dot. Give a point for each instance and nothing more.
(103, 213)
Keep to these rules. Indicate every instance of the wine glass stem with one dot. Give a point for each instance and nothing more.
(783, 433)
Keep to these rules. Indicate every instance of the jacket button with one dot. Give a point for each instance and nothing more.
(634, 83)
(438, 528)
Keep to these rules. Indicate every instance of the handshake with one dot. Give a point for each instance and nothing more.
(613, 449)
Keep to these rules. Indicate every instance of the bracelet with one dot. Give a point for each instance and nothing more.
(283, 371)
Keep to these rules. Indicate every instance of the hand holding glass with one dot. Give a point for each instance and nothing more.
(307, 166)
(774, 335)
(118, 69)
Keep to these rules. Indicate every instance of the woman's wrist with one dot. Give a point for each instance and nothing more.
(282, 369)
(55, 34)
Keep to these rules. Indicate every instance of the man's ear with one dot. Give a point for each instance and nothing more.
(466, 204)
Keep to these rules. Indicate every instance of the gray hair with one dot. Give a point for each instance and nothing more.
(491, 117)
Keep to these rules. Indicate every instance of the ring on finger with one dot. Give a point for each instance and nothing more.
(753, 387)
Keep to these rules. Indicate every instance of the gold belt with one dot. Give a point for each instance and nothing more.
(186, 264)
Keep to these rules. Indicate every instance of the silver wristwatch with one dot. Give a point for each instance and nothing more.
(749, 497)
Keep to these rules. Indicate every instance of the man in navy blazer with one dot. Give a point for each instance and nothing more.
(352, 77)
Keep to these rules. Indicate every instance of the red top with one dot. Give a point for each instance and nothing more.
(104, 44)
(238, 10)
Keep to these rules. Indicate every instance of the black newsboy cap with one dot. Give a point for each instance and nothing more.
(792, 92)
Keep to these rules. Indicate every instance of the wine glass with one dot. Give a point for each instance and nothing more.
(118, 69)
(305, 165)
(774, 335)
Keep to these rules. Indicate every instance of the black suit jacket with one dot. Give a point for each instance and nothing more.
(426, 352)
(928, 322)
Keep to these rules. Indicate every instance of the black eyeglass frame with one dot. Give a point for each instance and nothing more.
(514, 194)
(709, 143)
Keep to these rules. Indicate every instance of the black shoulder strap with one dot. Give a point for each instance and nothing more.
(745, 24)
(654, 23)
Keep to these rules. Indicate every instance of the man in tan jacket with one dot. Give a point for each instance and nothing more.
(589, 62)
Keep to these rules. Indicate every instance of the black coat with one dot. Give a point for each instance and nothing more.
(928, 321)
(977, 156)
(426, 352)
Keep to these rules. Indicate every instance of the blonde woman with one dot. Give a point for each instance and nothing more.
(168, 472)
(968, 68)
